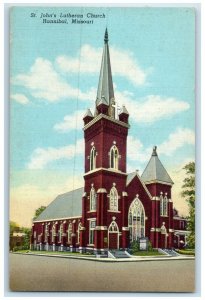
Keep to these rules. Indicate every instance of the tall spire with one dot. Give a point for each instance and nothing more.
(105, 92)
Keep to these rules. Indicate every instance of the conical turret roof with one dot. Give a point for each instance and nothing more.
(105, 90)
(155, 171)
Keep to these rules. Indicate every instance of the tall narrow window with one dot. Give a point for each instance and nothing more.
(114, 156)
(136, 220)
(165, 212)
(161, 205)
(60, 233)
(92, 199)
(91, 231)
(113, 199)
(46, 233)
(92, 158)
(69, 232)
(79, 228)
(53, 233)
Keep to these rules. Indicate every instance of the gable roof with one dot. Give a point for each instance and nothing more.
(66, 205)
(155, 171)
(131, 176)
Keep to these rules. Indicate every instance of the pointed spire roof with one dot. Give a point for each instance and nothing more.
(88, 113)
(124, 110)
(105, 90)
(155, 171)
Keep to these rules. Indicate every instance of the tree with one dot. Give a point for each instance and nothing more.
(13, 226)
(189, 194)
(38, 211)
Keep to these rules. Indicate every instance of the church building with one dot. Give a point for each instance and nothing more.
(114, 207)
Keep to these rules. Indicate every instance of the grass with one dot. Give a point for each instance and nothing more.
(147, 253)
(186, 251)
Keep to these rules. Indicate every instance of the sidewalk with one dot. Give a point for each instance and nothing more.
(130, 259)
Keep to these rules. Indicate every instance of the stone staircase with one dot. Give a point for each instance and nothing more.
(119, 254)
(170, 252)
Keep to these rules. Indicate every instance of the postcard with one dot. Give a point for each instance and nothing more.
(102, 148)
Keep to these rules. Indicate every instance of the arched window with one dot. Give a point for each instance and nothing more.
(69, 232)
(92, 199)
(92, 158)
(114, 156)
(53, 233)
(79, 228)
(136, 220)
(60, 233)
(113, 227)
(113, 199)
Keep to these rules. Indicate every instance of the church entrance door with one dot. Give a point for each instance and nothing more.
(113, 236)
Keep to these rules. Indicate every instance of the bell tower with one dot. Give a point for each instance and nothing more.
(105, 135)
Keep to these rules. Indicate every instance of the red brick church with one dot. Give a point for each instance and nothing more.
(113, 208)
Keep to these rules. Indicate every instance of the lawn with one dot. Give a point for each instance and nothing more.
(186, 251)
(147, 253)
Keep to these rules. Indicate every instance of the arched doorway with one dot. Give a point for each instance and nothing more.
(113, 235)
(136, 220)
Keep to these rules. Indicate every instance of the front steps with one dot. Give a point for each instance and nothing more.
(118, 254)
(170, 252)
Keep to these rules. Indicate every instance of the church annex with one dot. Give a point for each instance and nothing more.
(114, 207)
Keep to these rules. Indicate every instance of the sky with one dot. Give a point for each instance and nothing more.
(54, 71)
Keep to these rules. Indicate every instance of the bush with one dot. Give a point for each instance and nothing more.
(150, 246)
(134, 246)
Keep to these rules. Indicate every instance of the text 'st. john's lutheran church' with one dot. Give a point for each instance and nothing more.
(113, 208)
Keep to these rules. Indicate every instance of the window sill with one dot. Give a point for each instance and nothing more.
(91, 211)
(114, 211)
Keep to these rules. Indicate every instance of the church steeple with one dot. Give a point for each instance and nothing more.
(105, 92)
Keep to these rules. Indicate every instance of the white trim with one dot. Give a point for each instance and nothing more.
(104, 169)
(114, 211)
(101, 228)
(100, 116)
(124, 194)
(40, 221)
(171, 230)
(125, 228)
(156, 198)
(91, 211)
(101, 190)
(181, 232)
(158, 181)
(91, 219)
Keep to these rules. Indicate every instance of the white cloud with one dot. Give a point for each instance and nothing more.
(176, 140)
(71, 122)
(151, 108)
(135, 150)
(123, 63)
(44, 82)
(42, 157)
(20, 98)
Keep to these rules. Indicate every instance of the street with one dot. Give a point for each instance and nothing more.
(37, 273)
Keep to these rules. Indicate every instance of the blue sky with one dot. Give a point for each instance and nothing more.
(54, 77)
